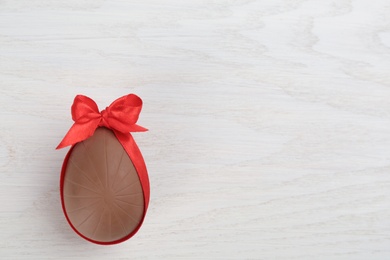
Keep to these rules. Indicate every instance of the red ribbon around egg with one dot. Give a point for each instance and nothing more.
(120, 117)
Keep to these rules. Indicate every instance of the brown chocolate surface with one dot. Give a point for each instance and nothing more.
(102, 193)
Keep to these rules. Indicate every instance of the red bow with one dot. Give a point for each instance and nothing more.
(120, 116)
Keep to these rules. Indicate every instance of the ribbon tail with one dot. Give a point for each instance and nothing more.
(138, 128)
(78, 132)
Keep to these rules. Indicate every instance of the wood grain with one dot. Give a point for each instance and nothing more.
(269, 124)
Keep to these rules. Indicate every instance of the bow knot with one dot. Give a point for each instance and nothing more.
(121, 116)
(103, 118)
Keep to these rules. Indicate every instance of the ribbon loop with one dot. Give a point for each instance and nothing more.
(120, 116)
(83, 106)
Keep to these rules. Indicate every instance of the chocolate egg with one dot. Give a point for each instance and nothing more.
(101, 192)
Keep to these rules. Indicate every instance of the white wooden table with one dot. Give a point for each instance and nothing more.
(269, 124)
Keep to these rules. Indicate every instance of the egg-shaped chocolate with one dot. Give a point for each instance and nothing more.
(101, 191)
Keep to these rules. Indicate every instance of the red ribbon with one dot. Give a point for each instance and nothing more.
(121, 117)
